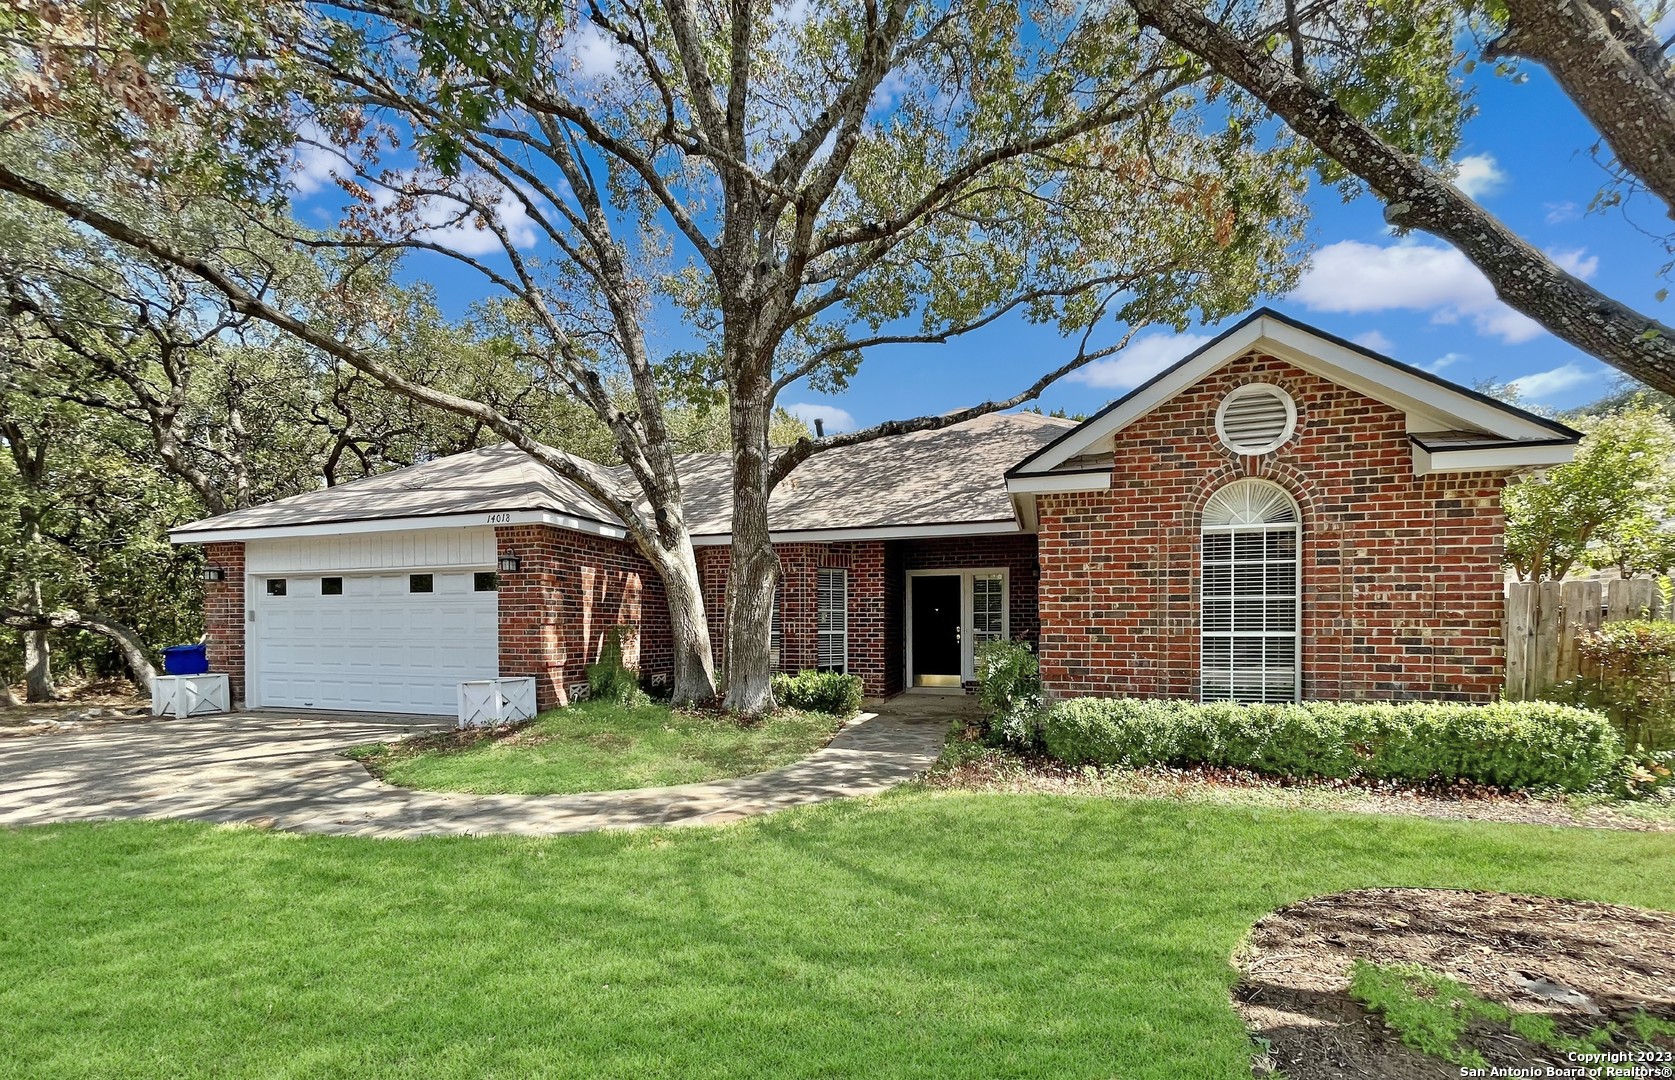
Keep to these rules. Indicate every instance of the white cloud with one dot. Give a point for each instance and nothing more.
(1559, 212)
(313, 161)
(1353, 277)
(593, 53)
(890, 90)
(835, 419)
(447, 222)
(1478, 175)
(1143, 358)
(1445, 360)
(1375, 341)
(1578, 262)
(1544, 384)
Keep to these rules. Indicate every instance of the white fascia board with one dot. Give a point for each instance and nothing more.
(881, 532)
(1149, 397)
(1390, 384)
(1383, 382)
(406, 524)
(1489, 459)
(1043, 484)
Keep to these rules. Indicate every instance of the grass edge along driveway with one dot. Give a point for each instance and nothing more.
(913, 934)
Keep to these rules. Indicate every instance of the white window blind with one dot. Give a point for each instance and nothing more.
(832, 618)
(988, 607)
(776, 634)
(1250, 615)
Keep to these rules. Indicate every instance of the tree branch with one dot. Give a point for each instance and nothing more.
(1416, 197)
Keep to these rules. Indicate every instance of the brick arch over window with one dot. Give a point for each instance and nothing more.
(1279, 473)
(1250, 605)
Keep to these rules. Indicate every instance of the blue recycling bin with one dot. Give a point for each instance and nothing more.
(185, 659)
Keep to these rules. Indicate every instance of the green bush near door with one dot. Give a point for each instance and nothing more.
(819, 691)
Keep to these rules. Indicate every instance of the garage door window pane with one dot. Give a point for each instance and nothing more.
(420, 583)
(488, 581)
(331, 586)
(276, 586)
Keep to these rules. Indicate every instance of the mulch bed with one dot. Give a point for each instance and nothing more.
(1007, 772)
(1583, 964)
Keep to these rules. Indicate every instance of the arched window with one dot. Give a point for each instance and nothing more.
(1250, 615)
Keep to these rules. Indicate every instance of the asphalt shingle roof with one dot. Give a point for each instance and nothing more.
(952, 476)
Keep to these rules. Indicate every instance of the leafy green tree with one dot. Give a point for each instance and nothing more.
(803, 182)
(1611, 503)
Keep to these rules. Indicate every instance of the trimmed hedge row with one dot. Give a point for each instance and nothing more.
(1527, 744)
(819, 691)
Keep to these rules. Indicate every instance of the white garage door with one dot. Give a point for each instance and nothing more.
(383, 642)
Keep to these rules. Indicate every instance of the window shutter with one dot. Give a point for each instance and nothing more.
(832, 617)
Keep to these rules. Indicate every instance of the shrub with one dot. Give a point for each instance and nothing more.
(1507, 744)
(612, 680)
(819, 691)
(1635, 686)
(1009, 687)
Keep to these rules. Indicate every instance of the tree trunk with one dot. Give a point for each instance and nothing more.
(8, 700)
(37, 667)
(754, 570)
(689, 628)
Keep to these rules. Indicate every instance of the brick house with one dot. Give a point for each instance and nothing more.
(1282, 514)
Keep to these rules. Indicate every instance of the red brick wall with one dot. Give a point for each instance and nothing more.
(558, 607)
(877, 576)
(869, 607)
(1401, 575)
(224, 619)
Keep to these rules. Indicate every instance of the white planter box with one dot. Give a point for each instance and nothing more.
(492, 702)
(190, 695)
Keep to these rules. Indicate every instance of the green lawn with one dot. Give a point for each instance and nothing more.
(601, 746)
(917, 934)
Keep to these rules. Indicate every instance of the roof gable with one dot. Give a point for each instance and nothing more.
(1435, 403)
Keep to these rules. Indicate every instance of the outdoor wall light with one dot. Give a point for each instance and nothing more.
(212, 573)
(509, 564)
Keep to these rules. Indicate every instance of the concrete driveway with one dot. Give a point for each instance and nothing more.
(283, 770)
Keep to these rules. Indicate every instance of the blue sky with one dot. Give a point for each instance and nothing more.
(1525, 156)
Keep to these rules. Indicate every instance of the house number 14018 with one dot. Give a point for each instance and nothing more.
(499, 519)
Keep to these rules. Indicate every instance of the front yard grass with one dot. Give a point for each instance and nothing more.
(922, 934)
(599, 746)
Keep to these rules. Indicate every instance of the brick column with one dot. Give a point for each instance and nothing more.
(531, 639)
(224, 617)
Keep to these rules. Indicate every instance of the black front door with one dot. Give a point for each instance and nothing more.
(936, 630)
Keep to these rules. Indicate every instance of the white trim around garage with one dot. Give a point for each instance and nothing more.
(403, 524)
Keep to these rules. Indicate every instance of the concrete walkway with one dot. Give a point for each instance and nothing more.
(283, 770)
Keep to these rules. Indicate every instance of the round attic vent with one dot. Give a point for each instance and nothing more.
(1256, 418)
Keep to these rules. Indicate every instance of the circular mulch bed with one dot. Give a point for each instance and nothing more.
(1583, 964)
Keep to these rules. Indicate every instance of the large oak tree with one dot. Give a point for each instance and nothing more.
(799, 183)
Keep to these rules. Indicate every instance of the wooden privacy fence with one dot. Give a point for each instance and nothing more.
(1544, 619)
